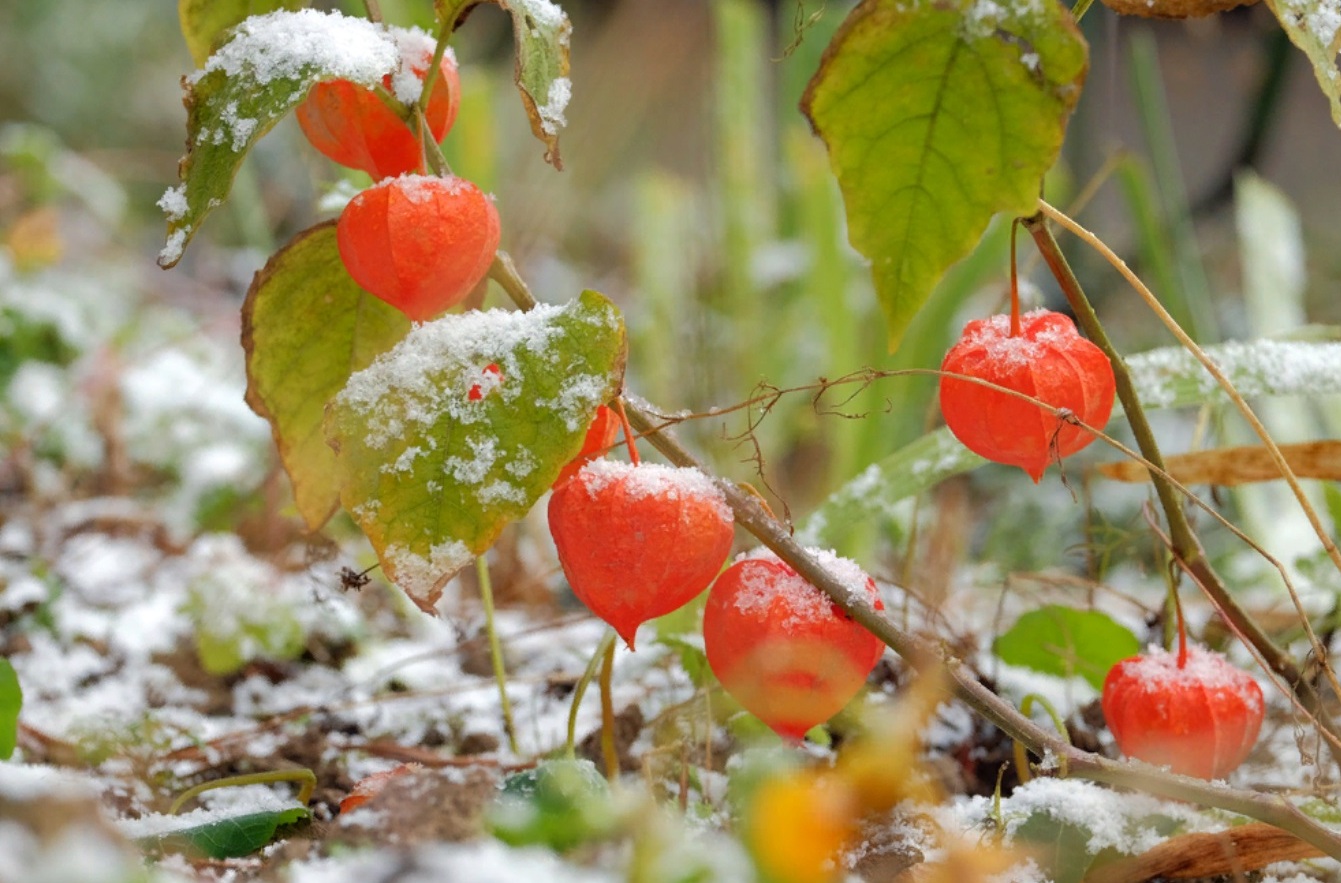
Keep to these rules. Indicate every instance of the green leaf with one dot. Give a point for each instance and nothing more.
(1061, 641)
(205, 21)
(1313, 26)
(559, 804)
(248, 85)
(306, 327)
(11, 700)
(226, 838)
(938, 114)
(1165, 378)
(1061, 847)
(541, 31)
(464, 425)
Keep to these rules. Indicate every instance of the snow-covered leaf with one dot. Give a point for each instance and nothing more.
(306, 327)
(247, 86)
(1165, 378)
(1065, 642)
(230, 837)
(205, 21)
(540, 30)
(937, 115)
(1315, 27)
(460, 428)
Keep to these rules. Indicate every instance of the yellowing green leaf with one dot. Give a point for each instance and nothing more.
(306, 326)
(205, 21)
(1315, 27)
(464, 425)
(248, 85)
(938, 114)
(540, 30)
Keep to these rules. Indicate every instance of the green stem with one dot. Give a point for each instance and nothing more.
(431, 75)
(1184, 544)
(1026, 708)
(496, 649)
(608, 713)
(306, 777)
(580, 690)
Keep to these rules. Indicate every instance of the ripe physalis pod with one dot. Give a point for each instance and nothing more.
(352, 126)
(420, 243)
(600, 436)
(1193, 712)
(1046, 359)
(638, 541)
(781, 647)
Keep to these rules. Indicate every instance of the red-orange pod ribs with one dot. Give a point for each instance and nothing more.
(782, 648)
(1048, 360)
(639, 541)
(1200, 718)
(352, 126)
(420, 243)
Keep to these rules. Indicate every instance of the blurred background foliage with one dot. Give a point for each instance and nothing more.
(696, 197)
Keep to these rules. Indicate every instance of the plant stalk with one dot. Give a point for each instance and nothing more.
(608, 751)
(496, 650)
(306, 779)
(607, 642)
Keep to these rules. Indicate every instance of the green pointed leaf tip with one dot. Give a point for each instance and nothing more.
(937, 114)
(460, 428)
(253, 80)
(306, 327)
(1060, 641)
(1315, 27)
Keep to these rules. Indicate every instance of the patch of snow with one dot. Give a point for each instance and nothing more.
(551, 113)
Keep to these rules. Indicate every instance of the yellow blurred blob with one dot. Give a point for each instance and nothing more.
(34, 239)
(798, 824)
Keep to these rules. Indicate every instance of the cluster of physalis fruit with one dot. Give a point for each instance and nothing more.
(637, 541)
(1191, 710)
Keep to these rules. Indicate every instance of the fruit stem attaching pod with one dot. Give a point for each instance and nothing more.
(628, 431)
(1014, 282)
